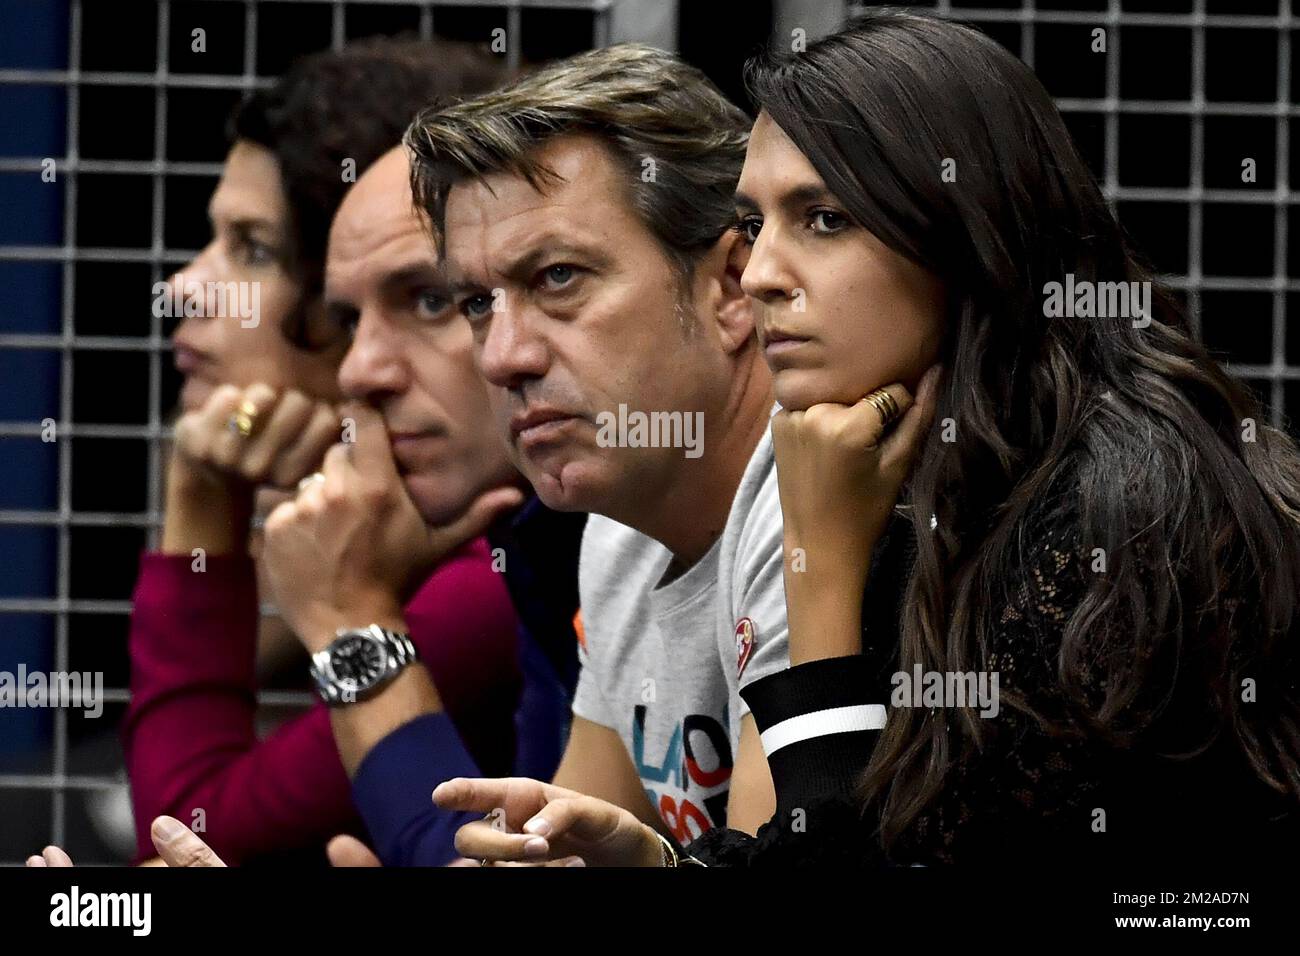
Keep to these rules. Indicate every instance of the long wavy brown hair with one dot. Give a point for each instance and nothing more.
(1149, 434)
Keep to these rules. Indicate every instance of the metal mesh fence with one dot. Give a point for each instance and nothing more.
(1183, 96)
(1186, 92)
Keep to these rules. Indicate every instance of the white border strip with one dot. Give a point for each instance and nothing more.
(820, 723)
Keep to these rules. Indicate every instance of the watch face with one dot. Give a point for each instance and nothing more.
(358, 660)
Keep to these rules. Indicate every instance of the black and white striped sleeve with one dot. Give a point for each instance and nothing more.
(818, 723)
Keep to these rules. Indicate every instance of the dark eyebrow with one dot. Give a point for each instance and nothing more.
(246, 225)
(795, 199)
(522, 268)
(415, 274)
(465, 287)
(338, 308)
(339, 312)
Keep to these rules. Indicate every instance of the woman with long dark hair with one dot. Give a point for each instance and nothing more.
(1042, 598)
(258, 411)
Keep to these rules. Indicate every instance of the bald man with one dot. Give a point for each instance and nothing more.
(426, 475)
(402, 506)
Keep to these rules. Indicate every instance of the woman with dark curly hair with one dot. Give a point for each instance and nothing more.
(1042, 559)
(258, 406)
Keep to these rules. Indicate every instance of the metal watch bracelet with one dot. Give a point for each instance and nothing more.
(333, 690)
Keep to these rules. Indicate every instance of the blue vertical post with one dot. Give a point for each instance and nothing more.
(33, 36)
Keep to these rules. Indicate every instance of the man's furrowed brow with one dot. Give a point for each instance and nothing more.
(465, 287)
(416, 273)
(521, 268)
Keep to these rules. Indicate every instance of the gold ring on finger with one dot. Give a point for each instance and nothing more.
(244, 421)
(885, 405)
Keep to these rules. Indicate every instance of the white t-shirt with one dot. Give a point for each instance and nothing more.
(663, 666)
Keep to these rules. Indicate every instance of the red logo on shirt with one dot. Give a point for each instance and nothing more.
(744, 643)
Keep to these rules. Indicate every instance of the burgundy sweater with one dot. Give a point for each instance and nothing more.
(189, 736)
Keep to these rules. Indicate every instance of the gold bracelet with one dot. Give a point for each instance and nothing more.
(671, 859)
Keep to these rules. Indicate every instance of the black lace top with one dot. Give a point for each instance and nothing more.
(1028, 794)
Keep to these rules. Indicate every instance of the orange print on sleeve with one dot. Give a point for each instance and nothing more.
(577, 629)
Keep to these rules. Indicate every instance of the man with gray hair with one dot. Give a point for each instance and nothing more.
(585, 221)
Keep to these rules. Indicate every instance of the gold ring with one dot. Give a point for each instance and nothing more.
(885, 405)
(244, 421)
(310, 480)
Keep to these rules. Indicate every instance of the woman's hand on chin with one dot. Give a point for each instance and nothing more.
(839, 470)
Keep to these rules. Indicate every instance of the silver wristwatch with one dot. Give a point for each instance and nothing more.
(358, 662)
